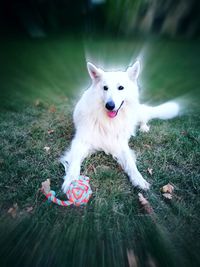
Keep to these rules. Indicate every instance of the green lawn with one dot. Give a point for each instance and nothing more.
(40, 82)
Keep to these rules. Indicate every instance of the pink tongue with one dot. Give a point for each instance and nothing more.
(112, 114)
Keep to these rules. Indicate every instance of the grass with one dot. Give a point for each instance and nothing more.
(39, 82)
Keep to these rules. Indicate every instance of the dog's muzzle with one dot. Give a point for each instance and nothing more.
(110, 107)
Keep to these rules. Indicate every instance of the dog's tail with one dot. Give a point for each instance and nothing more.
(165, 111)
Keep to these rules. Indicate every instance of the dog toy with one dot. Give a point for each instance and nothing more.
(78, 192)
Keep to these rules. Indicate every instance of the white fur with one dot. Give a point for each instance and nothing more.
(165, 111)
(95, 130)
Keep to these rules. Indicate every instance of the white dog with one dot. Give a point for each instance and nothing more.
(105, 118)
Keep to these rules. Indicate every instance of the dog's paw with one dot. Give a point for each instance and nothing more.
(144, 128)
(66, 184)
(141, 183)
(144, 186)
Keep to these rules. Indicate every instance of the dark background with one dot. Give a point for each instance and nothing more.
(40, 17)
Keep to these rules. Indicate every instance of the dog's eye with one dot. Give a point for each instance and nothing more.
(105, 88)
(120, 87)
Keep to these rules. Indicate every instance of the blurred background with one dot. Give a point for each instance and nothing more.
(43, 42)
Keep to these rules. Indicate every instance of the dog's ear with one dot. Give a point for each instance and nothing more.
(133, 71)
(95, 73)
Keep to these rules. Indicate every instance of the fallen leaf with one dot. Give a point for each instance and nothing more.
(52, 109)
(47, 148)
(50, 131)
(167, 191)
(168, 188)
(46, 186)
(145, 203)
(142, 199)
(29, 209)
(13, 211)
(150, 171)
(167, 195)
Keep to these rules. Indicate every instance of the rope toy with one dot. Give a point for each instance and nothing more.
(78, 192)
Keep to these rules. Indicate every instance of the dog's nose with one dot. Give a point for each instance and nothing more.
(110, 105)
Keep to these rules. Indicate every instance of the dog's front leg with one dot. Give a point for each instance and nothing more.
(126, 158)
(72, 160)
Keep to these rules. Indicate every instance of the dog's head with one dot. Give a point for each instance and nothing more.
(116, 88)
